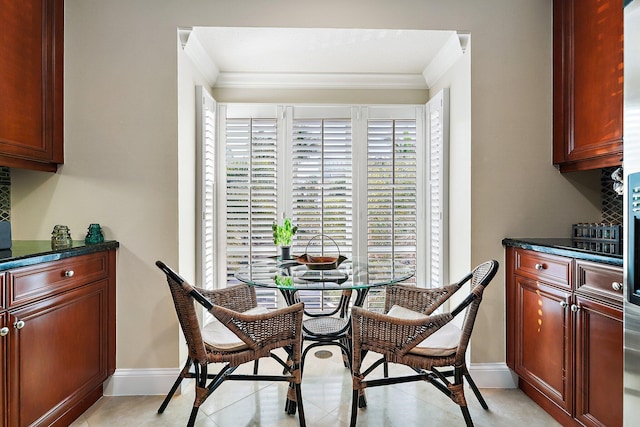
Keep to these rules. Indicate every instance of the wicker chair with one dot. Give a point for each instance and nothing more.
(236, 337)
(410, 335)
(332, 328)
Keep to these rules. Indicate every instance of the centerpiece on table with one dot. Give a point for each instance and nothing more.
(283, 236)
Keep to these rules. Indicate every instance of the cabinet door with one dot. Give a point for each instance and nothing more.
(31, 78)
(4, 328)
(599, 364)
(587, 84)
(543, 339)
(58, 356)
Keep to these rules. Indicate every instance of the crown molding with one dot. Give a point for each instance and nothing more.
(195, 51)
(320, 81)
(447, 56)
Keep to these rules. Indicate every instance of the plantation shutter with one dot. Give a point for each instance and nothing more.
(205, 135)
(438, 138)
(391, 194)
(251, 202)
(322, 194)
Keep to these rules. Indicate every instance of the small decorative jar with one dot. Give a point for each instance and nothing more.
(94, 235)
(60, 237)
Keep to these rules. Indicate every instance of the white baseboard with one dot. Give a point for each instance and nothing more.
(493, 375)
(147, 382)
(140, 382)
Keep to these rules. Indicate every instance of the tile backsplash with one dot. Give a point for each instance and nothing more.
(611, 202)
(5, 194)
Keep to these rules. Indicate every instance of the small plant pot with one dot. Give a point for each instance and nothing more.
(285, 252)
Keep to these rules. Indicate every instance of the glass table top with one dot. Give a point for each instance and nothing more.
(350, 274)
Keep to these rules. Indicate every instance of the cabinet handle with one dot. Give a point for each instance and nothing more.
(69, 273)
(539, 266)
(564, 304)
(617, 286)
(4, 331)
(574, 308)
(19, 324)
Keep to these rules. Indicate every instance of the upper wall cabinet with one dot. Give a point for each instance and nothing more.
(587, 84)
(31, 78)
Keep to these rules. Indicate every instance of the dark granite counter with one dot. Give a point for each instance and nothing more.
(29, 252)
(562, 247)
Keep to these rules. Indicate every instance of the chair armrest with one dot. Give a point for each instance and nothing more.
(257, 331)
(422, 300)
(386, 334)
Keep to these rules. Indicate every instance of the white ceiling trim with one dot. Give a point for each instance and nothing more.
(444, 59)
(452, 50)
(320, 81)
(196, 52)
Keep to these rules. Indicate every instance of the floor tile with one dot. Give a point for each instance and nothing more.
(326, 390)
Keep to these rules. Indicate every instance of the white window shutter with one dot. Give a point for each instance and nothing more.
(438, 225)
(322, 193)
(251, 195)
(391, 194)
(206, 171)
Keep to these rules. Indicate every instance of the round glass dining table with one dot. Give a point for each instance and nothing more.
(290, 276)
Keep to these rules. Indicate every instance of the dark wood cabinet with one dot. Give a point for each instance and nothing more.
(31, 84)
(587, 84)
(564, 335)
(59, 344)
(599, 363)
(543, 339)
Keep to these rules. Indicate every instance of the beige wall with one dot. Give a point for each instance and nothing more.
(126, 168)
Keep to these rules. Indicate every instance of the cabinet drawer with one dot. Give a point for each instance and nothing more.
(599, 280)
(548, 268)
(31, 283)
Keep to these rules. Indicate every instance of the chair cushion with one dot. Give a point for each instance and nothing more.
(442, 342)
(218, 336)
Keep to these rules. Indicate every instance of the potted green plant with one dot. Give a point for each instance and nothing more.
(283, 235)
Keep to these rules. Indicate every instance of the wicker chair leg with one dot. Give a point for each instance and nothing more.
(176, 384)
(192, 417)
(467, 416)
(346, 355)
(255, 366)
(354, 407)
(457, 389)
(290, 405)
(385, 367)
(473, 386)
(301, 419)
(362, 399)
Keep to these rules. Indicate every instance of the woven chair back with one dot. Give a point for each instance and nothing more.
(187, 316)
(480, 279)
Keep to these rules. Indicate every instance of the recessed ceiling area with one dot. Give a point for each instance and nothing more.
(321, 57)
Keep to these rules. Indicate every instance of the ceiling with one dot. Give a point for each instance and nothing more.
(305, 57)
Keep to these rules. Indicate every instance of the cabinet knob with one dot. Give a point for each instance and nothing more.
(69, 273)
(616, 286)
(574, 308)
(4, 331)
(539, 266)
(19, 324)
(564, 304)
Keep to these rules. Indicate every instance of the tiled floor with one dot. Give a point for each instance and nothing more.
(326, 393)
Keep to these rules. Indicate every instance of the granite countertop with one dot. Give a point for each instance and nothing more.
(29, 252)
(562, 247)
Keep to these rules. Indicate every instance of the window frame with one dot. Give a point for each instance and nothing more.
(359, 114)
